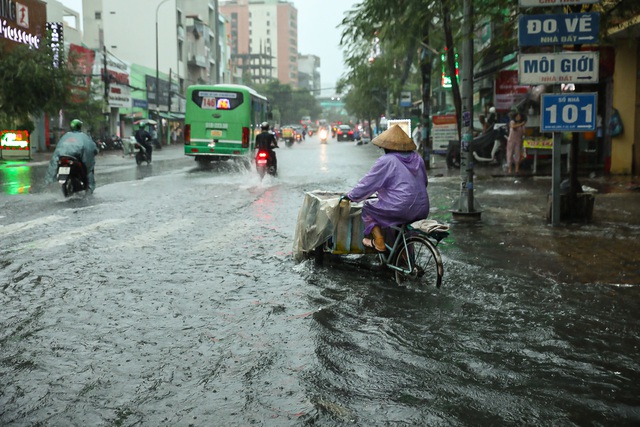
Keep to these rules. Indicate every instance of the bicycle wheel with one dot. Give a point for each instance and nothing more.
(425, 260)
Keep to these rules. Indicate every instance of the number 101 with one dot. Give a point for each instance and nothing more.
(570, 113)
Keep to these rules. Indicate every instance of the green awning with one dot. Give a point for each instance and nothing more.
(177, 116)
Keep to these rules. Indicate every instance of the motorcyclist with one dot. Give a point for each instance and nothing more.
(144, 138)
(76, 144)
(266, 140)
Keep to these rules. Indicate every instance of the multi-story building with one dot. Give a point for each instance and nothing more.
(70, 19)
(176, 41)
(264, 39)
(309, 73)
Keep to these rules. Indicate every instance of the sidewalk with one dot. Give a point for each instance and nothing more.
(105, 158)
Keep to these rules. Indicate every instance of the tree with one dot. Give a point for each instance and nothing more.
(420, 29)
(289, 103)
(30, 84)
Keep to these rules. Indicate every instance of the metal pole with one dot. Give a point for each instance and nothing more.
(157, 67)
(467, 208)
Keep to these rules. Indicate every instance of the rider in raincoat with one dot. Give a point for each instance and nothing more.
(79, 145)
(400, 179)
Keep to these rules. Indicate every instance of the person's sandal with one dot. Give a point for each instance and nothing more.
(369, 243)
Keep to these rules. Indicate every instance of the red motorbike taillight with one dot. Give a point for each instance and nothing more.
(187, 134)
(262, 154)
(245, 137)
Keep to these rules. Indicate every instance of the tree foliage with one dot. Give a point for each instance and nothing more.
(289, 104)
(30, 84)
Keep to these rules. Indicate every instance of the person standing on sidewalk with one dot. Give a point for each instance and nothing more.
(514, 142)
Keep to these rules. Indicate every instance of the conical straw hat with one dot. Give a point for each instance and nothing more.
(394, 138)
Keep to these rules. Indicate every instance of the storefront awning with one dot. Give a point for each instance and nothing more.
(177, 116)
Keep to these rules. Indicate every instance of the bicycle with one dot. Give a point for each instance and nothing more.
(413, 256)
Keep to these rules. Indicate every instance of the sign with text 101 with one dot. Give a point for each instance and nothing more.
(568, 112)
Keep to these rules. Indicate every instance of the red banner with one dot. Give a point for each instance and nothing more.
(81, 62)
(508, 90)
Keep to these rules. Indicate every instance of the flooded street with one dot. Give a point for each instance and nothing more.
(170, 297)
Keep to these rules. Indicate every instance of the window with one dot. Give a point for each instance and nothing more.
(98, 16)
(268, 31)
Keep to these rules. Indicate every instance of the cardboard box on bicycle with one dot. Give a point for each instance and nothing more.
(323, 219)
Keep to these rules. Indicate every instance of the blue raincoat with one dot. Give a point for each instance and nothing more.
(400, 179)
(80, 146)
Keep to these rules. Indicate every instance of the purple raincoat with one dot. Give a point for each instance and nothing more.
(400, 178)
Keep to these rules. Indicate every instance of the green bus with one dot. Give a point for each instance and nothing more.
(221, 122)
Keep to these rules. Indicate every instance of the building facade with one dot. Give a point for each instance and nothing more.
(309, 73)
(264, 39)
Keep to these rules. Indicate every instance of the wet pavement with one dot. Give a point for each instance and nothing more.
(169, 297)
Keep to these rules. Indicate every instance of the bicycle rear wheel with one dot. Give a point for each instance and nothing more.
(425, 262)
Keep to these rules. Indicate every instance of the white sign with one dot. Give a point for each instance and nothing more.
(444, 129)
(554, 68)
(536, 3)
(405, 124)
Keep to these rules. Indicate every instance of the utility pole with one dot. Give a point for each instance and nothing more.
(467, 208)
(425, 70)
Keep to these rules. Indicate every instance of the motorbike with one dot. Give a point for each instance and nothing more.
(324, 135)
(72, 175)
(488, 148)
(141, 154)
(265, 163)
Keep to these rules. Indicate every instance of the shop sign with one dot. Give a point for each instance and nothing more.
(23, 22)
(84, 60)
(568, 28)
(555, 68)
(14, 140)
(508, 92)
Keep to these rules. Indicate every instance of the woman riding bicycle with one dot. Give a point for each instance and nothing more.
(400, 179)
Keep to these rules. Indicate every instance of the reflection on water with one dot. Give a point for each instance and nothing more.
(15, 178)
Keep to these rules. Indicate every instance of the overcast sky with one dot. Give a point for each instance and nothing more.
(318, 33)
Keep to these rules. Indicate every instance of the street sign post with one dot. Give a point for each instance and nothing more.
(555, 3)
(556, 68)
(570, 28)
(568, 112)
(405, 99)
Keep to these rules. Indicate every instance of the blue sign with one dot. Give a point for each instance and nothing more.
(140, 103)
(568, 28)
(568, 112)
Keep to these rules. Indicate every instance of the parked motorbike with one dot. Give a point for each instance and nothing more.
(141, 154)
(324, 135)
(488, 148)
(265, 163)
(72, 175)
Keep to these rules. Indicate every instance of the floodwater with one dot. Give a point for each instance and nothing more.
(170, 297)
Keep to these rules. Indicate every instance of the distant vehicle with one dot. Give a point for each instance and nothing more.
(288, 134)
(344, 133)
(305, 121)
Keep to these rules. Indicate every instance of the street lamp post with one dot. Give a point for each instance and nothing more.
(158, 73)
